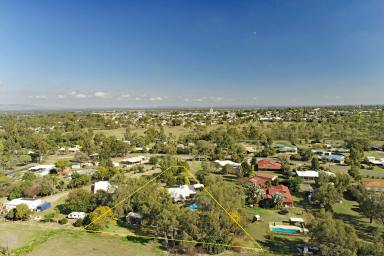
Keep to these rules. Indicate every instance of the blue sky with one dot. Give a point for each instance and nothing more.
(191, 53)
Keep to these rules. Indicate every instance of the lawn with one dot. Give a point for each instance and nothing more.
(284, 244)
(348, 212)
(37, 240)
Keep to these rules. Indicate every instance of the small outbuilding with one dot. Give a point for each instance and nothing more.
(134, 218)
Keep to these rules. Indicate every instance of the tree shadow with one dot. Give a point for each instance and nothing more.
(363, 230)
(62, 209)
(139, 240)
(282, 245)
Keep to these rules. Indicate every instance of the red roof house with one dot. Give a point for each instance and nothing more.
(268, 165)
(284, 190)
(261, 178)
(377, 186)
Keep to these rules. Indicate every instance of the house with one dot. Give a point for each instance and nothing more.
(334, 158)
(76, 215)
(268, 165)
(308, 175)
(183, 192)
(134, 218)
(262, 178)
(284, 190)
(223, 163)
(286, 149)
(134, 160)
(374, 186)
(372, 160)
(76, 165)
(103, 186)
(74, 149)
(62, 151)
(42, 170)
(31, 203)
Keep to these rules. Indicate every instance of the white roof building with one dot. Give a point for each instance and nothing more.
(102, 185)
(134, 160)
(42, 170)
(308, 174)
(76, 215)
(31, 203)
(223, 163)
(183, 192)
(296, 219)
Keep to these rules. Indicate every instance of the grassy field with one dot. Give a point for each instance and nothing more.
(348, 212)
(31, 240)
(119, 132)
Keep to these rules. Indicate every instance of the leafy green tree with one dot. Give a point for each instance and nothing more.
(79, 200)
(372, 206)
(100, 218)
(354, 172)
(62, 163)
(253, 193)
(334, 237)
(21, 212)
(277, 200)
(315, 164)
(356, 155)
(78, 180)
(294, 184)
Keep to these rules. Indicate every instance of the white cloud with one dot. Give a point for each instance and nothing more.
(61, 96)
(100, 94)
(38, 97)
(125, 96)
(80, 96)
(156, 98)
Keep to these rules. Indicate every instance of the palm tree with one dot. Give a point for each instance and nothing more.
(253, 193)
(277, 199)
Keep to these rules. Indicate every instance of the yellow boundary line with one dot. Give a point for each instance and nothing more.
(173, 239)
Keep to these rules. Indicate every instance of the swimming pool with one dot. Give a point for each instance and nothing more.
(286, 230)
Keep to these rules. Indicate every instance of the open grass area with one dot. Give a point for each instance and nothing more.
(35, 240)
(284, 244)
(348, 211)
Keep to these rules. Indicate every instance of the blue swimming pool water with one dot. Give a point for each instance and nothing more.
(286, 230)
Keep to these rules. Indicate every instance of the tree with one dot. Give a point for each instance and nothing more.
(62, 164)
(277, 200)
(326, 195)
(78, 180)
(356, 155)
(100, 218)
(372, 206)
(315, 164)
(294, 184)
(21, 212)
(253, 193)
(79, 200)
(333, 237)
(354, 172)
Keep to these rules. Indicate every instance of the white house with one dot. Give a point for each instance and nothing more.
(374, 161)
(42, 170)
(183, 192)
(308, 175)
(76, 215)
(103, 185)
(223, 163)
(134, 160)
(31, 203)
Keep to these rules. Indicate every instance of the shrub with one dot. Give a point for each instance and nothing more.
(78, 223)
(63, 221)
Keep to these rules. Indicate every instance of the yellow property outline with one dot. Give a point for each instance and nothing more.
(170, 239)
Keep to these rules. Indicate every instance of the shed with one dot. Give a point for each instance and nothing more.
(134, 218)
